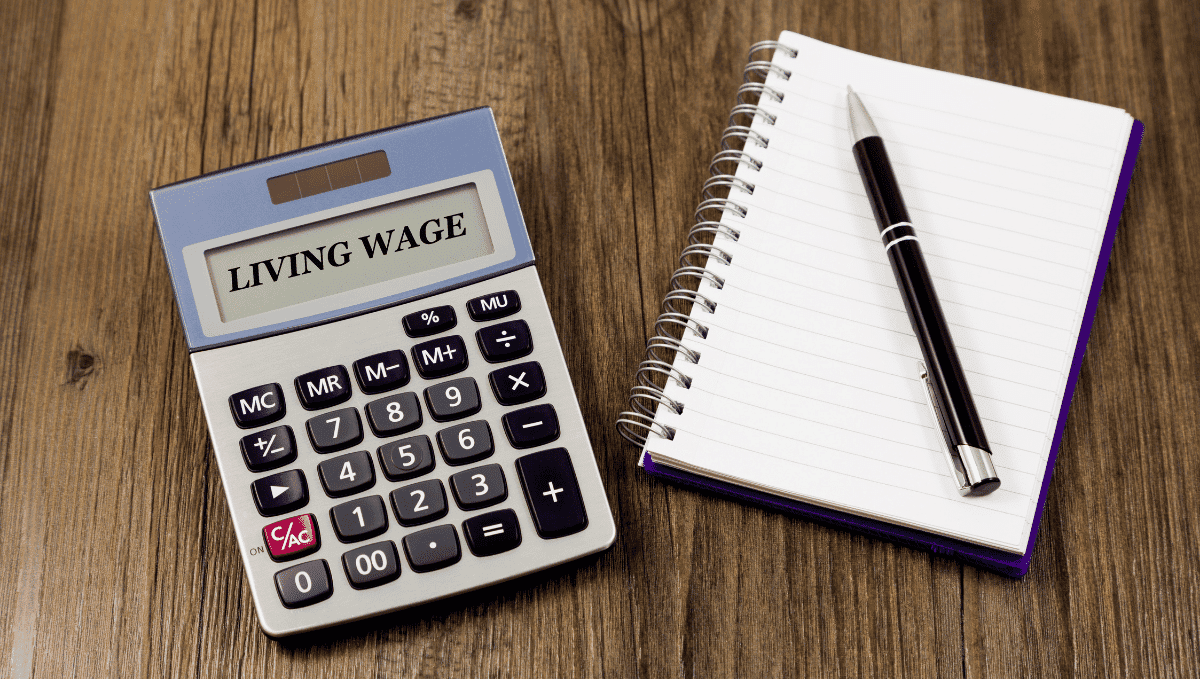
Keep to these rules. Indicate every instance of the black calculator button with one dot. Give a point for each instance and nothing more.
(280, 493)
(373, 565)
(453, 400)
(493, 306)
(520, 383)
(479, 487)
(532, 426)
(440, 357)
(269, 448)
(394, 415)
(258, 406)
(359, 519)
(492, 533)
(382, 372)
(406, 458)
(419, 503)
(323, 388)
(548, 480)
(429, 322)
(347, 474)
(335, 430)
(292, 538)
(304, 584)
(466, 443)
(432, 548)
(505, 341)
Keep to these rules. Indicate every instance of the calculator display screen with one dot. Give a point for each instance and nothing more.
(349, 252)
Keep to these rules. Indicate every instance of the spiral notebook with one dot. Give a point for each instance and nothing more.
(792, 381)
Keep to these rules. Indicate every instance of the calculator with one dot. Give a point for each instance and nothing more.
(388, 402)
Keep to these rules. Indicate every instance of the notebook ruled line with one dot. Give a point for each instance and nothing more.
(855, 386)
(868, 346)
(943, 278)
(954, 113)
(814, 466)
(905, 400)
(872, 435)
(782, 114)
(1084, 230)
(774, 130)
(931, 256)
(945, 236)
(853, 173)
(840, 338)
(947, 302)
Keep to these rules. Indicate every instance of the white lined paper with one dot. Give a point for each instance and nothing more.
(807, 383)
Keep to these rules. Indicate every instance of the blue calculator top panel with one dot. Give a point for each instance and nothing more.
(426, 161)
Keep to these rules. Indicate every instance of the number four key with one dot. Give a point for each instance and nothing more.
(347, 474)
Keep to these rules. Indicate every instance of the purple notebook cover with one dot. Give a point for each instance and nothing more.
(991, 559)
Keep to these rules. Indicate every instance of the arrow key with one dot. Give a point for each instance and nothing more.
(280, 493)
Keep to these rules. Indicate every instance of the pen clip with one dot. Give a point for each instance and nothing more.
(980, 478)
(952, 459)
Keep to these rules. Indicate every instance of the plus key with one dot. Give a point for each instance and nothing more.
(548, 481)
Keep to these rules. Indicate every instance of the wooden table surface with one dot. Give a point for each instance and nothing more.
(117, 556)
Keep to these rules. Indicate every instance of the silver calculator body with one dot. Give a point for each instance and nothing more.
(389, 406)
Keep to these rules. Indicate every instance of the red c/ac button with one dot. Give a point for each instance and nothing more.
(292, 537)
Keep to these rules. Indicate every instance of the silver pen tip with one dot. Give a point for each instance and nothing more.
(861, 125)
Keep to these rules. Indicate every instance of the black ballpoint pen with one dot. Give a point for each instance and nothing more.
(967, 450)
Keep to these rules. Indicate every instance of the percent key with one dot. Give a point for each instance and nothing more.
(430, 321)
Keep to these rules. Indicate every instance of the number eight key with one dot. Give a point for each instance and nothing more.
(394, 415)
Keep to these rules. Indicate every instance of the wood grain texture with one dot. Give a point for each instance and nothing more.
(117, 556)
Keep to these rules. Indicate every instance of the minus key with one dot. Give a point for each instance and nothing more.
(532, 426)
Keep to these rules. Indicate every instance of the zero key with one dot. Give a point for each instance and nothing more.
(304, 585)
(548, 479)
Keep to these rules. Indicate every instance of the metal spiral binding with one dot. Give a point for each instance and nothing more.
(687, 296)
(726, 181)
(674, 323)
